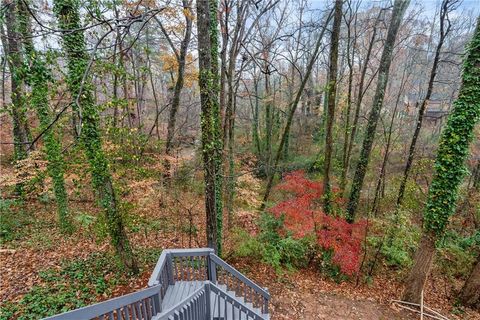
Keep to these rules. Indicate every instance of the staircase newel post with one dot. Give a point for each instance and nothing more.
(208, 309)
(171, 278)
(265, 303)
(212, 270)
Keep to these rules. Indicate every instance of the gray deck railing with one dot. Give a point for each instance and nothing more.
(195, 306)
(228, 307)
(199, 305)
(141, 305)
(202, 265)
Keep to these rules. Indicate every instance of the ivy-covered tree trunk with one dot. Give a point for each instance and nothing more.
(209, 83)
(13, 48)
(444, 30)
(399, 8)
(331, 100)
(39, 78)
(67, 12)
(449, 168)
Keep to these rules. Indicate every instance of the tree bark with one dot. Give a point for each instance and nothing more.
(80, 87)
(39, 78)
(358, 103)
(182, 56)
(399, 8)
(332, 94)
(386, 155)
(210, 119)
(449, 166)
(351, 62)
(423, 106)
(14, 52)
(470, 294)
(421, 268)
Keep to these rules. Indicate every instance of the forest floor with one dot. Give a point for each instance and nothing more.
(40, 266)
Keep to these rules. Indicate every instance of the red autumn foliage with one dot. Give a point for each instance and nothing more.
(303, 216)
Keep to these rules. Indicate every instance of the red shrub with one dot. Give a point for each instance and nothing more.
(303, 216)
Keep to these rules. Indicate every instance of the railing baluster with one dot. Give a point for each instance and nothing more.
(225, 312)
(144, 307)
(187, 262)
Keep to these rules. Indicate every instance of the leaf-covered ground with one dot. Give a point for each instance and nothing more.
(44, 272)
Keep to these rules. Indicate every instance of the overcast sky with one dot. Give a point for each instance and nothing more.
(470, 6)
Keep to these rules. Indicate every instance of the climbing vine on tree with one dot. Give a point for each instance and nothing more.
(449, 167)
(81, 89)
(39, 77)
(210, 119)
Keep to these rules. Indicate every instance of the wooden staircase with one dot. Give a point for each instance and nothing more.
(185, 284)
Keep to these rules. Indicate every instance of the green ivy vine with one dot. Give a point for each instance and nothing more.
(454, 143)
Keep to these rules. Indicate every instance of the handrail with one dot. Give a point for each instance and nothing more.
(210, 310)
(154, 277)
(240, 276)
(113, 305)
(172, 310)
(235, 303)
(169, 253)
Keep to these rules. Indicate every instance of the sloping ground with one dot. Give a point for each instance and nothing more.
(166, 218)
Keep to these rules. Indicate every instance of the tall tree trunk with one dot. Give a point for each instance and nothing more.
(231, 104)
(13, 49)
(39, 77)
(446, 7)
(332, 95)
(210, 119)
(399, 8)
(255, 134)
(381, 177)
(182, 57)
(449, 167)
(350, 61)
(293, 108)
(268, 124)
(421, 268)
(358, 102)
(80, 86)
(476, 177)
(470, 294)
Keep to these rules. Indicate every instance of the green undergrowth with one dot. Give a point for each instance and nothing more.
(76, 283)
(13, 221)
(283, 252)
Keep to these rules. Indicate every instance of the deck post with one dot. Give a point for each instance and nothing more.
(169, 262)
(208, 309)
(156, 302)
(212, 270)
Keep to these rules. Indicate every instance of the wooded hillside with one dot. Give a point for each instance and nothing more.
(329, 150)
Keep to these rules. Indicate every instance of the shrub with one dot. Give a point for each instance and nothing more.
(12, 220)
(400, 244)
(303, 217)
(273, 248)
(457, 253)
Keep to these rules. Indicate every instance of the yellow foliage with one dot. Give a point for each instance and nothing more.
(170, 65)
